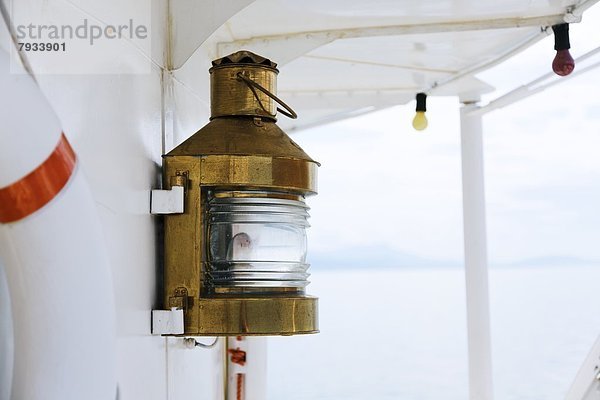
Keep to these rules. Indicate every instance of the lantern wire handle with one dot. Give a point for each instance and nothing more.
(288, 112)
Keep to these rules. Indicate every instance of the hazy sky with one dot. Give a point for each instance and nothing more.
(384, 185)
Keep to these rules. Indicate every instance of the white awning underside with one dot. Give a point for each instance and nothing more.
(342, 57)
(337, 57)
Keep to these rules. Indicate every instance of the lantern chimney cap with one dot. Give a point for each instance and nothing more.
(243, 84)
(244, 57)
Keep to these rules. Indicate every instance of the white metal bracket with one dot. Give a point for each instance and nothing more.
(167, 322)
(586, 385)
(167, 201)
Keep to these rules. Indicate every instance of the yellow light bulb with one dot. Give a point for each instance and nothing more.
(419, 122)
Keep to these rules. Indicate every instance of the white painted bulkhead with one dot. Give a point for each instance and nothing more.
(119, 125)
(114, 123)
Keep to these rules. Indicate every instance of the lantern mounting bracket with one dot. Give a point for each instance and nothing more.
(167, 201)
(167, 322)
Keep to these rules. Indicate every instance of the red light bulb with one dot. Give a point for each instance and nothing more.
(563, 63)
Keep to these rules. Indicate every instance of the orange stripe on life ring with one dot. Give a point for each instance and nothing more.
(39, 187)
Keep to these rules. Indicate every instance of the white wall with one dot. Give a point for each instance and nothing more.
(115, 124)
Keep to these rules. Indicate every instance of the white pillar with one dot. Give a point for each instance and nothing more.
(247, 380)
(478, 317)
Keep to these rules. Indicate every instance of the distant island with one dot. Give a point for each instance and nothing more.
(382, 257)
(552, 261)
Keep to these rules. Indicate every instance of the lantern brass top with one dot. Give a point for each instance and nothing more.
(237, 82)
(243, 57)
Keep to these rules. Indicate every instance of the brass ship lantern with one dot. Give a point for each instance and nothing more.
(235, 259)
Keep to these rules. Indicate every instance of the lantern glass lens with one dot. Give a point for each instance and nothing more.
(257, 242)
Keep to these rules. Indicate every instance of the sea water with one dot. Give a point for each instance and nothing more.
(401, 334)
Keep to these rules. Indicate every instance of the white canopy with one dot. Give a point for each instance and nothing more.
(344, 57)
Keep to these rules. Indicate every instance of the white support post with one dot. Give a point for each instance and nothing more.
(247, 368)
(476, 269)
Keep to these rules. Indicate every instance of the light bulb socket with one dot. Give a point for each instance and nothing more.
(421, 102)
(561, 37)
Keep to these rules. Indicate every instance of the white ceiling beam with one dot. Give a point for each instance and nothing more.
(295, 127)
(384, 65)
(287, 47)
(539, 84)
(347, 99)
(439, 86)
